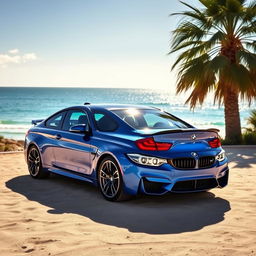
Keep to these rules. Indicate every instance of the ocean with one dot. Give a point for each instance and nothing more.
(19, 105)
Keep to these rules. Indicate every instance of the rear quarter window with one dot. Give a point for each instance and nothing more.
(104, 122)
(55, 121)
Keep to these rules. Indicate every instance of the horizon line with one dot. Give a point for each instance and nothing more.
(81, 87)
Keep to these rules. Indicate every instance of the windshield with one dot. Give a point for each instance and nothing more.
(150, 119)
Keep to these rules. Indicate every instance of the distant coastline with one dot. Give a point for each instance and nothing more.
(19, 105)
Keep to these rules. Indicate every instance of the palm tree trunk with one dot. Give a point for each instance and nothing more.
(232, 117)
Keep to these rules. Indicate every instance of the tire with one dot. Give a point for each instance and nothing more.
(110, 180)
(35, 164)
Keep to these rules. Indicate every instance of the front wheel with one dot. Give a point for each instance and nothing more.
(35, 164)
(110, 180)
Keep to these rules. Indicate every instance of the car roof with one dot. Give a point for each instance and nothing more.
(111, 106)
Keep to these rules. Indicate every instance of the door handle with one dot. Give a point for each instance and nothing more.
(58, 137)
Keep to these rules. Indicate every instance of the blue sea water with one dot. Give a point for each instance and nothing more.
(19, 105)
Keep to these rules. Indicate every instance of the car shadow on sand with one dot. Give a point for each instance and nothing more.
(241, 157)
(171, 213)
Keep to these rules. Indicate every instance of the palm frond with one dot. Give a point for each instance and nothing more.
(251, 45)
(219, 63)
(233, 6)
(247, 29)
(252, 119)
(238, 77)
(218, 50)
(196, 17)
(249, 13)
(248, 58)
(187, 31)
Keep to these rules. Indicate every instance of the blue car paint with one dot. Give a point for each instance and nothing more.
(78, 155)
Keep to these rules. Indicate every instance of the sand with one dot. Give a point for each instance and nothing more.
(61, 216)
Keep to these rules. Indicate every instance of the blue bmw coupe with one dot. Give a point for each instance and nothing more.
(126, 150)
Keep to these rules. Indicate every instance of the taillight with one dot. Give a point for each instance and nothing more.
(163, 145)
(215, 143)
(151, 145)
(146, 144)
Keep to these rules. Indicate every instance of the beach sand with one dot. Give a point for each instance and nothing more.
(61, 216)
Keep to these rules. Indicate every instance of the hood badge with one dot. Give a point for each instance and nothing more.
(194, 154)
(193, 137)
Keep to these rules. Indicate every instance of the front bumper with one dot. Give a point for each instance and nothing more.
(184, 185)
(164, 179)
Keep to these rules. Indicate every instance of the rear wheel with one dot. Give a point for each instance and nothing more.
(110, 180)
(35, 164)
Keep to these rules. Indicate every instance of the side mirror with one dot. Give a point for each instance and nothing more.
(80, 128)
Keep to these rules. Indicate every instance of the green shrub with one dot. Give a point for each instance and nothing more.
(233, 141)
(227, 142)
(249, 138)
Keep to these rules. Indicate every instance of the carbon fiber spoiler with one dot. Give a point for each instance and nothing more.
(37, 121)
(187, 130)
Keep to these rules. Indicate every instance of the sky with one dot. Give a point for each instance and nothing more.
(88, 43)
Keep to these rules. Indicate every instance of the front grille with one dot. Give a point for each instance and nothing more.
(194, 185)
(206, 161)
(190, 163)
(184, 163)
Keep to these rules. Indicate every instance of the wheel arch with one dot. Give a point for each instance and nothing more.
(101, 158)
(31, 144)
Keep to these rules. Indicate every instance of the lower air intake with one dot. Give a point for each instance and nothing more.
(194, 185)
(153, 187)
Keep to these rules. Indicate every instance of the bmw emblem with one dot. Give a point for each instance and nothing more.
(194, 154)
(193, 137)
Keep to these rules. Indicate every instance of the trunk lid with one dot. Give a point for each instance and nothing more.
(187, 141)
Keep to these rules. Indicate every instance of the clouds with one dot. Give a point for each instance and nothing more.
(13, 57)
(29, 56)
(13, 51)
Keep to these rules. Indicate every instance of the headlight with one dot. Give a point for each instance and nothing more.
(146, 160)
(221, 156)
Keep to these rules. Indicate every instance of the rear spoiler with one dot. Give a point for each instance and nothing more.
(37, 121)
(187, 130)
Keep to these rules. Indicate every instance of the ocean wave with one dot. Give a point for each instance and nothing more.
(13, 122)
(209, 123)
(14, 127)
(12, 132)
(157, 103)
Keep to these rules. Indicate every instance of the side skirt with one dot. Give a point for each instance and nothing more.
(74, 175)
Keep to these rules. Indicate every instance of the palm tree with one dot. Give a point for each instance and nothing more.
(217, 45)
(252, 121)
